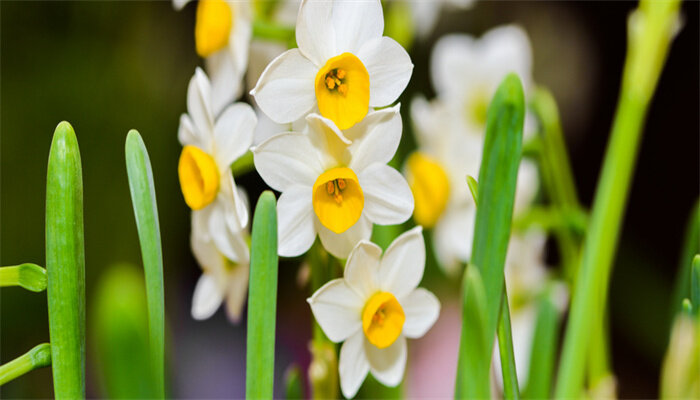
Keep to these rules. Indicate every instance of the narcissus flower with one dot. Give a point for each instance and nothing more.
(225, 270)
(209, 149)
(335, 184)
(374, 308)
(343, 65)
(222, 34)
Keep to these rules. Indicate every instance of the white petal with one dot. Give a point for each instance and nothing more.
(267, 128)
(186, 133)
(453, 236)
(337, 309)
(389, 364)
(507, 48)
(288, 159)
(361, 268)
(179, 4)
(422, 309)
(205, 252)
(285, 91)
(314, 31)
(340, 244)
(199, 106)
(388, 198)
(453, 62)
(389, 68)
(526, 186)
(235, 202)
(295, 221)
(375, 138)
(226, 79)
(328, 139)
(237, 292)
(233, 133)
(402, 266)
(230, 243)
(356, 22)
(353, 365)
(207, 297)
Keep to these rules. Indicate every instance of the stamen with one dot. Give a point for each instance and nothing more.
(343, 89)
(338, 198)
(330, 187)
(340, 74)
(330, 83)
(341, 184)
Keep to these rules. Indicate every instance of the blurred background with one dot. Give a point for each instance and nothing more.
(111, 66)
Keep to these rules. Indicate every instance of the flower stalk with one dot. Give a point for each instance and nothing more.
(29, 276)
(38, 357)
(651, 29)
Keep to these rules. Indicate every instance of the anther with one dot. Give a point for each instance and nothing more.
(330, 187)
(330, 82)
(341, 184)
(340, 74)
(343, 89)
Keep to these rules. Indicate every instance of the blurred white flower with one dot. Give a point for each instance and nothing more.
(466, 73)
(374, 308)
(343, 65)
(425, 13)
(223, 30)
(335, 183)
(225, 276)
(210, 146)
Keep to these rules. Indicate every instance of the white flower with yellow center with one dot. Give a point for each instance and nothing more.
(335, 184)
(374, 308)
(466, 72)
(222, 34)
(437, 176)
(210, 146)
(225, 271)
(342, 68)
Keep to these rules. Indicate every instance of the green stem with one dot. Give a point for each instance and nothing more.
(143, 199)
(243, 164)
(544, 347)
(29, 276)
(38, 357)
(651, 30)
(271, 31)
(65, 264)
(505, 347)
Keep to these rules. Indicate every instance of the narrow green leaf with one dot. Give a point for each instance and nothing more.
(691, 247)
(687, 307)
(143, 198)
(505, 347)
(473, 188)
(294, 383)
(496, 193)
(243, 164)
(38, 357)
(695, 284)
(65, 264)
(651, 29)
(262, 300)
(119, 321)
(29, 276)
(472, 378)
(544, 348)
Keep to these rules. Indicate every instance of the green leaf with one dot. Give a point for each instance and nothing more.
(38, 357)
(119, 321)
(65, 264)
(695, 284)
(29, 276)
(262, 300)
(473, 188)
(505, 347)
(243, 164)
(496, 193)
(651, 29)
(544, 347)
(691, 247)
(294, 383)
(143, 198)
(472, 378)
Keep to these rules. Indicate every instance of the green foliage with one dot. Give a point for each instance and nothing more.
(695, 284)
(505, 347)
(119, 325)
(143, 198)
(473, 188)
(39, 356)
(65, 264)
(496, 194)
(294, 383)
(544, 348)
(262, 300)
(691, 247)
(472, 377)
(29, 276)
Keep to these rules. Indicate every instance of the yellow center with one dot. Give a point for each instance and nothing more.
(342, 90)
(338, 199)
(382, 319)
(212, 27)
(430, 186)
(199, 177)
(477, 106)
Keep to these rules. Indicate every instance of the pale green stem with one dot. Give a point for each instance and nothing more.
(38, 357)
(275, 32)
(651, 30)
(29, 276)
(505, 347)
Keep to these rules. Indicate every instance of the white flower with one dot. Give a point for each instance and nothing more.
(223, 30)
(425, 13)
(343, 65)
(224, 277)
(335, 184)
(466, 72)
(209, 149)
(374, 308)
